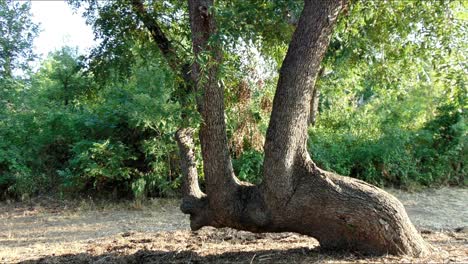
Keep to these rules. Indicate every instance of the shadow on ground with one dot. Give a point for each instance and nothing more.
(296, 255)
(230, 246)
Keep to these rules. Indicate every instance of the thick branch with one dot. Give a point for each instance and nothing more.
(190, 187)
(157, 34)
(287, 131)
(194, 201)
(219, 175)
(217, 164)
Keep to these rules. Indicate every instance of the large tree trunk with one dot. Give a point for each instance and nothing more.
(295, 196)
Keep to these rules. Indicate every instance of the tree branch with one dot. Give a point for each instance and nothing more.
(190, 187)
(287, 132)
(219, 174)
(157, 34)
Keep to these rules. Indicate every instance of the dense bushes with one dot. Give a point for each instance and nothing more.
(79, 150)
(113, 141)
(388, 154)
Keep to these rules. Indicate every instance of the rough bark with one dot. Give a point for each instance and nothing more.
(213, 132)
(217, 165)
(287, 131)
(193, 197)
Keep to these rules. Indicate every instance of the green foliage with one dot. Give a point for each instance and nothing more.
(99, 163)
(249, 166)
(442, 148)
(17, 32)
(63, 78)
(392, 95)
(116, 139)
(433, 154)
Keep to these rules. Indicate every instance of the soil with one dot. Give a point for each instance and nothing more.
(436, 209)
(49, 231)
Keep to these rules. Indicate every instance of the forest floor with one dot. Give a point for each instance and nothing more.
(50, 231)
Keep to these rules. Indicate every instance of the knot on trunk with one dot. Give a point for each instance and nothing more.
(199, 211)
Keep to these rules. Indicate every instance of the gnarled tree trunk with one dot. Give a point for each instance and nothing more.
(295, 196)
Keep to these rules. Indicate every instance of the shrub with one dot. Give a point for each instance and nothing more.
(248, 167)
(98, 165)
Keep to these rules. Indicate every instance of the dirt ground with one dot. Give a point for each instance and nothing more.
(48, 231)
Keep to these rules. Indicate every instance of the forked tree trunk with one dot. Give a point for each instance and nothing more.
(295, 196)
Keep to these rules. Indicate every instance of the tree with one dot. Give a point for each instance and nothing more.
(295, 195)
(17, 33)
(63, 74)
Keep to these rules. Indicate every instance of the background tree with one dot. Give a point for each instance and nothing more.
(63, 73)
(17, 33)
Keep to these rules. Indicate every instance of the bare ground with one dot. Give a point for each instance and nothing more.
(47, 231)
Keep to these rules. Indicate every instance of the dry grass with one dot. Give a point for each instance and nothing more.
(86, 232)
